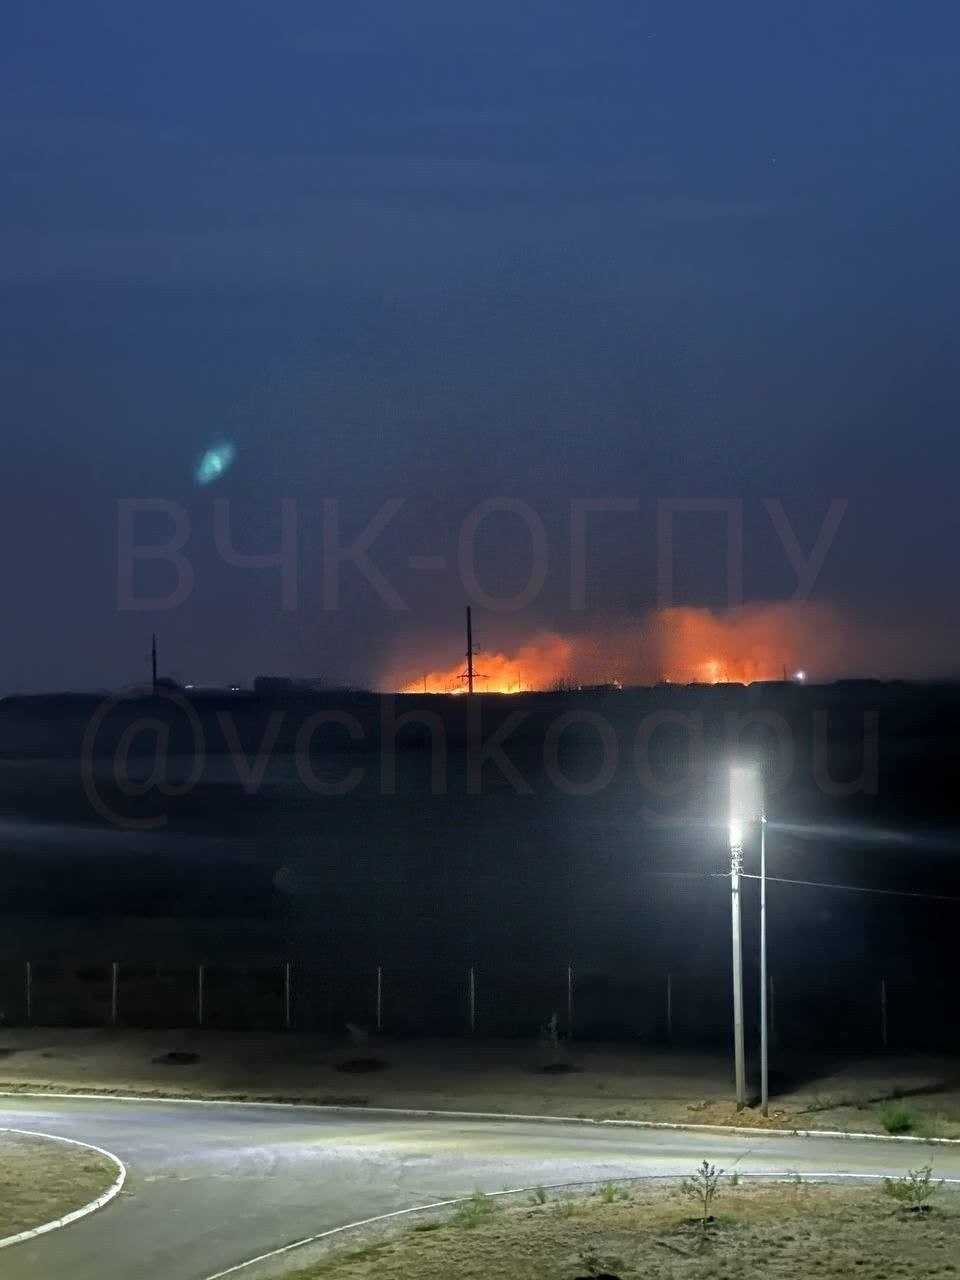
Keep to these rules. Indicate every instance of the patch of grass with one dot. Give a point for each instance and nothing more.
(564, 1208)
(609, 1193)
(896, 1118)
(539, 1196)
(600, 1264)
(41, 1179)
(765, 1231)
(479, 1208)
(353, 1259)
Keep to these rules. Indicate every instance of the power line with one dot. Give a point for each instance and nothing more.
(685, 875)
(858, 888)
(807, 884)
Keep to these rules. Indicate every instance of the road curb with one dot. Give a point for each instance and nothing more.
(111, 1193)
(423, 1113)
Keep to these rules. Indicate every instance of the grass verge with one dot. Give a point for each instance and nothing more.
(42, 1179)
(778, 1232)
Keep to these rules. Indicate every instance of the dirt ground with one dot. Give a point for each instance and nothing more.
(597, 1081)
(41, 1180)
(761, 1232)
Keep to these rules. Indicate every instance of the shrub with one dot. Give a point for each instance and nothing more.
(608, 1192)
(896, 1118)
(474, 1211)
(703, 1188)
(539, 1196)
(913, 1191)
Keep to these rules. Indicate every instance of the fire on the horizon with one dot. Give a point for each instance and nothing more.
(681, 646)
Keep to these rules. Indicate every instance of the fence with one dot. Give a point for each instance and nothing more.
(489, 1000)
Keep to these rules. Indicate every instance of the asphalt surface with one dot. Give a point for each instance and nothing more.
(212, 1186)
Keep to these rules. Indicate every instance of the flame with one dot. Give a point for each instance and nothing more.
(766, 642)
(801, 640)
(536, 665)
(679, 645)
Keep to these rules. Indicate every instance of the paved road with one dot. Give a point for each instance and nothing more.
(212, 1186)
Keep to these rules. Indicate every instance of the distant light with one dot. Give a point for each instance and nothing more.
(800, 675)
(215, 463)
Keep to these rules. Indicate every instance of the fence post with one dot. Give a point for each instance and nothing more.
(569, 1001)
(200, 995)
(287, 1007)
(472, 999)
(114, 992)
(883, 1013)
(669, 1008)
(28, 979)
(379, 998)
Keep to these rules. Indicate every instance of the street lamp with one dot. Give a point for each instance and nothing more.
(747, 805)
(736, 868)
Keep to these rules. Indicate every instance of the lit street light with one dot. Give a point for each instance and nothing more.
(736, 867)
(746, 805)
(764, 984)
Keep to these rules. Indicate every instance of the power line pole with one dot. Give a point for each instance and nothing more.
(469, 650)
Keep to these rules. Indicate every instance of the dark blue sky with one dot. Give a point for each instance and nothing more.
(446, 253)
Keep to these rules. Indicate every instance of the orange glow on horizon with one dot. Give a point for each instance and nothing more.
(677, 646)
(799, 640)
(536, 665)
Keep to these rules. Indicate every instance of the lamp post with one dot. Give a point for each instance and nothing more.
(747, 805)
(764, 981)
(736, 868)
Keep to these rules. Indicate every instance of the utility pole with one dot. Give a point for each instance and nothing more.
(469, 650)
(764, 980)
(736, 869)
(153, 661)
(747, 805)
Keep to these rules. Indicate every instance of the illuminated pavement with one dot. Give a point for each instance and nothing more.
(210, 1186)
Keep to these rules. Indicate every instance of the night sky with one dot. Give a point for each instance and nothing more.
(448, 253)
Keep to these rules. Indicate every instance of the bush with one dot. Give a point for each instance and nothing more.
(609, 1192)
(703, 1188)
(475, 1211)
(896, 1118)
(913, 1191)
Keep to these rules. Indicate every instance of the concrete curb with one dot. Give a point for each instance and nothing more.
(517, 1191)
(417, 1113)
(111, 1193)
